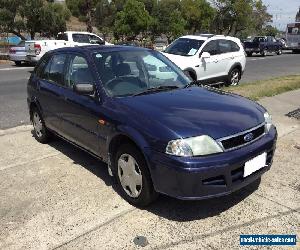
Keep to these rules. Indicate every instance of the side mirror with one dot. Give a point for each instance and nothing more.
(84, 88)
(205, 55)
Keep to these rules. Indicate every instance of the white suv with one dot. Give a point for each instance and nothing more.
(209, 58)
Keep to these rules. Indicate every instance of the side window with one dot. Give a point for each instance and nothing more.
(224, 46)
(211, 47)
(81, 38)
(40, 67)
(45, 73)
(95, 40)
(56, 71)
(78, 72)
(234, 46)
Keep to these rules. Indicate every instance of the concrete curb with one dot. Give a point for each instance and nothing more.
(15, 130)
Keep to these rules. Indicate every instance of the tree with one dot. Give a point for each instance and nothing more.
(240, 16)
(132, 20)
(10, 21)
(105, 16)
(33, 16)
(54, 16)
(168, 19)
(198, 14)
(83, 9)
(31, 12)
(270, 30)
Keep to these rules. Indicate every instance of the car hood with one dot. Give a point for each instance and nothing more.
(180, 61)
(195, 111)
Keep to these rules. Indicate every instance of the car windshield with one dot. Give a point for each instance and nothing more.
(259, 39)
(184, 47)
(134, 72)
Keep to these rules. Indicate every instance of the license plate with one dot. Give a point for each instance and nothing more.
(255, 164)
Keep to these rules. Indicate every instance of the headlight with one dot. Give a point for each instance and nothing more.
(194, 146)
(268, 121)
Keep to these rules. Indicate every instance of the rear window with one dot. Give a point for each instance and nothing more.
(21, 44)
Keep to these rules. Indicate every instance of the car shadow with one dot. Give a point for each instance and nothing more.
(164, 206)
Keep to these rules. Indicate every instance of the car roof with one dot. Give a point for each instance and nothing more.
(204, 37)
(99, 48)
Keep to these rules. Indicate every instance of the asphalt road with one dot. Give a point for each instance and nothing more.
(13, 107)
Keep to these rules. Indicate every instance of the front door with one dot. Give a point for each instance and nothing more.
(209, 67)
(81, 113)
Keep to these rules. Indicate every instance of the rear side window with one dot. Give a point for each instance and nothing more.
(81, 38)
(62, 36)
(54, 70)
(234, 46)
(224, 46)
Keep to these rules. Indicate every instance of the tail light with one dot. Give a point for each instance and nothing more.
(12, 51)
(37, 48)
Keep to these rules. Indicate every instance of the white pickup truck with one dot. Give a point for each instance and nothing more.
(35, 49)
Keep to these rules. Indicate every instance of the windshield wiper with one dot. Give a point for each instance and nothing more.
(196, 83)
(156, 89)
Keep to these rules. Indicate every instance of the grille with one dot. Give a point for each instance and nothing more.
(239, 139)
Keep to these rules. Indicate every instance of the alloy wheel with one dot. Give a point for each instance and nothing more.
(130, 175)
(234, 77)
(37, 124)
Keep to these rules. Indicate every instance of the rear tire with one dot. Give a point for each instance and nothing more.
(249, 54)
(18, 63)
(133, 176)
(234, 77)
(40, 131)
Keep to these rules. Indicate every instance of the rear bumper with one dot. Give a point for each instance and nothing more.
(210, 176)
(17, 58)
(33, 58)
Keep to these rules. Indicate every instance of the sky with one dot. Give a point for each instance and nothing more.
(283, 11)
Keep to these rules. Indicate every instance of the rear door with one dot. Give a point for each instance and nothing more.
(51, 90)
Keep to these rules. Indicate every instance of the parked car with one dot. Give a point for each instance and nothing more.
(36, 49)
(160, 44)
(208, 58)
(17, 53)
(157, 135)
(262, 45)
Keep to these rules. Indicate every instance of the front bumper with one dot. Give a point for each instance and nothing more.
(209, 176)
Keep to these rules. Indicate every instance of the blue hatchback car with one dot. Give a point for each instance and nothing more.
(157, 131)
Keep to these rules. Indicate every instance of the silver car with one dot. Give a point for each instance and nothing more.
(17, 53)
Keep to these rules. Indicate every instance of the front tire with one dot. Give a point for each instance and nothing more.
(18, 63)
(234, 77)
(279, 52)
(249, 54)
(40, 131)
(264, 52)
(133, 176)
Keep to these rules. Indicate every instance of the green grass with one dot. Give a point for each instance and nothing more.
(271, 87)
